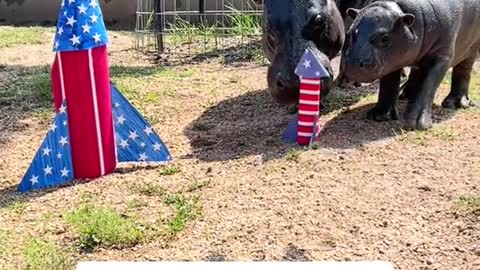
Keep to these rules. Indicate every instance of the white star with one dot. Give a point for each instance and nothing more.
(46, 151)
(148, 130)
(48, 170)
(65, 123)
(63, 141)
(93, 3)
(75, 40)
(94, 18)
(65, 172)
(71, 21)
(142, 144)
(65, 13)
(143, 157)
(317, 73)
(59, 155)
(56, 44)
(53, 127)
(60, 30)
(82, 9)
(71, 1)
(157, 147)
(133, 135)
(117, 104)
(34, 180)
(306, 64)
(86, 28)
(63, 3)
(124, 144)
(97, 38)
(121, 119)
(63, 109)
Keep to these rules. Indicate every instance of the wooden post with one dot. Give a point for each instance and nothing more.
(201, 10)
(159, 27)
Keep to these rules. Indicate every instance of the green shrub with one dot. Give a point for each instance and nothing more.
(44, 255)
(98, 226)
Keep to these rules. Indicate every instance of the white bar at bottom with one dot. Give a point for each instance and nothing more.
(360, 265)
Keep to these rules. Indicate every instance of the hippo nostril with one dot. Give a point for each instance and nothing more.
(362, 65)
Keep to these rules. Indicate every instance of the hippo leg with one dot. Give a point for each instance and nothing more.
(418, 114)
(458, 97)
(385, 109)
(410, 87)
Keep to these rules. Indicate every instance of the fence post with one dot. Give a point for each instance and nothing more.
(158, 10)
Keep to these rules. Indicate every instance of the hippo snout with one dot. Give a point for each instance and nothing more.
(364, 70)
(284, 86)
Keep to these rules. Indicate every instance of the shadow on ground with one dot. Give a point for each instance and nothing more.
(252, 124)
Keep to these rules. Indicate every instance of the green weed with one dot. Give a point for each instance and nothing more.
(423, 137)
(150, 189)
(44, 255)
(185, 211)
(293, 155)
(17, 207)
(98, 226)
(170, 170)
(470, 203)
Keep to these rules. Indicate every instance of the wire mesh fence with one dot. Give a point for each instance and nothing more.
(191, 27)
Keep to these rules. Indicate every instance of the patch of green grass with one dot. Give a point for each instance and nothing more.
(17, 207)
(185, 211)
(244, 24)
(14, 36)
(152, 97)
(293, 154)
(470, 203)
(170, 170)
(44, 255)
(32, 86)
(98, 226)
(150, 189)
(422, 137)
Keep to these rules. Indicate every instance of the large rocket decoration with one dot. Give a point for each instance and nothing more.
(95, 127)
(304, 129)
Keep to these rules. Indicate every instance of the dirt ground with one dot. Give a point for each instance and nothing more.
(368, 192)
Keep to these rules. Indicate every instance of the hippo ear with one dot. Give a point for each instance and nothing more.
(408, 19)
(353, 13)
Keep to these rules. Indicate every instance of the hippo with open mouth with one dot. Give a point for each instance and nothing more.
(289, 26)
(429, 35)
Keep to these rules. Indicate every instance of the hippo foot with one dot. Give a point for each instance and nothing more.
(457, 102)
(422, 121)
(381, 115)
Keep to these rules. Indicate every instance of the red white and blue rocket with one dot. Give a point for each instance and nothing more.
(95, 127)
(304, 129)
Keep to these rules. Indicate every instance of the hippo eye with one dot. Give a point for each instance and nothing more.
(381, 41)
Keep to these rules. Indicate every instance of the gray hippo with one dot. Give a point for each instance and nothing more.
(430, 36)
(289, 26)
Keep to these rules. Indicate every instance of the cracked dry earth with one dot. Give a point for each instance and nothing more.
(369, 192)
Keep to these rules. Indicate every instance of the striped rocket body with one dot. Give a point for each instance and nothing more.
(82, 79)
(308, 111)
